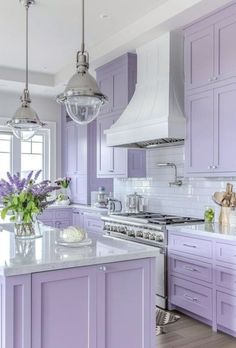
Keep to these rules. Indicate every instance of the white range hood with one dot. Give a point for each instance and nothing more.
(155, 114)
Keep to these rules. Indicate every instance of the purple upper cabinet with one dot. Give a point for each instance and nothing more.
(117, 80)
(199, 140)
(199, 58)
(225, 50)
(224, 128)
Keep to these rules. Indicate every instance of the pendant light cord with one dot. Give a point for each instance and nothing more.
(27, 49)
(82, 44)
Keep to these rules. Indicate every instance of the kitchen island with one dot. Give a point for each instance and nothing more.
(102, 295)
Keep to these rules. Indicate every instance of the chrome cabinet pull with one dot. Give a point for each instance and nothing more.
(189, 245)
(103, 268)
(191, 269)
(193, 299)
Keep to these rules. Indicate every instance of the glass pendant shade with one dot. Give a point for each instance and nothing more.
(82, 98)
(25, 122)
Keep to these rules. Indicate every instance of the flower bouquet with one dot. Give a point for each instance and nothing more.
(23, 200)
(63, 197)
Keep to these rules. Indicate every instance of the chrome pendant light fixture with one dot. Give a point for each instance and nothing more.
(25, 122)
(82, 96)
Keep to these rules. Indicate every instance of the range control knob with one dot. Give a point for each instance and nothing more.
(131, 233)
(139, 234)
(159, 238)
(151, 236)
(121, 229)
(146, 235)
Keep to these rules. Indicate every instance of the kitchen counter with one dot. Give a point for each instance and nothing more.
(214, 230)
(43, 254)
(79, 206)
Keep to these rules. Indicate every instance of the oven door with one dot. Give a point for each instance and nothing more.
(161, 278)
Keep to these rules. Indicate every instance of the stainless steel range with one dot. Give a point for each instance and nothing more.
(152, 229)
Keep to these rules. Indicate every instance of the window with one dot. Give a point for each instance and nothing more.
(24, 156)
(5, 154)
(32, 155)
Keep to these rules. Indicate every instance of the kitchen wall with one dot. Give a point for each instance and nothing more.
(189, 199)
(48, 111)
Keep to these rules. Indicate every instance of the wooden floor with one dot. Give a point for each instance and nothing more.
(188, 333)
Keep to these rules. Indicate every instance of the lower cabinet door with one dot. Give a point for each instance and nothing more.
(64, 308)
(226, 310)
(125, 305)
(193, 297)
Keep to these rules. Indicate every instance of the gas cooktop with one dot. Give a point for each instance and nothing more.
(156, 218)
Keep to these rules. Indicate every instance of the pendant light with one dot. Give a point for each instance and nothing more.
(25, 122)
(82, 96)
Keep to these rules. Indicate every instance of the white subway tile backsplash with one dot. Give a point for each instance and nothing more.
(190, 199)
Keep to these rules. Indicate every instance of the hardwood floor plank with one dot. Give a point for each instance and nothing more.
(189, 333)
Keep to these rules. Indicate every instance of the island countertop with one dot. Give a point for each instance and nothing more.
(43, 254)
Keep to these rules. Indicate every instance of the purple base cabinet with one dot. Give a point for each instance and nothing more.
(102, 306)
(202, 279)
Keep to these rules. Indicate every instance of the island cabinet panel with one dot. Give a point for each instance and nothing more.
(58, 217)
(15, 320)
(125, 305)
(64, 308)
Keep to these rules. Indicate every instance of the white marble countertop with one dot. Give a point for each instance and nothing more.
(79, 206)
(43, 254)
(214, 230)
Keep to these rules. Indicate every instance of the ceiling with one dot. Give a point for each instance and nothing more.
(55, 34)
(55, 29)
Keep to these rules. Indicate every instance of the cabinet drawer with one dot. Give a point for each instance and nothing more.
(192, 297)
(226, 278)
(93, 224)
(190, 245)
(47, 215)
(62, 214)
(191, 268)
(226, 252)
(226, 310)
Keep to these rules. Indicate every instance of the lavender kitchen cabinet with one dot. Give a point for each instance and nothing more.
(124, 307)
(117, 80)
(58, 217)
(209, 53)
(199, 139)
(94, 307)
(199, 57)
(211, 101)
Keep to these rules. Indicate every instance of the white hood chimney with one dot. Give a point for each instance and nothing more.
(155, 114)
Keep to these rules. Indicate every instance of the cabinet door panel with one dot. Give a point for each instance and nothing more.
(225, 50)
(125, 305)
(105, 154)
(199, 58)
(81, 151)
(199, 142)
(70, 148)
(120, 95)
(63, 308)
(225, 125)
(226, 310)
(105, 82)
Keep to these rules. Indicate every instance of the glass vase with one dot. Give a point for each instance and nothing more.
(30, 230)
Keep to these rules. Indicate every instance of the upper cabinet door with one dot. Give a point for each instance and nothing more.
(70, 148)
(225, 125)
(199, 141)
(225, 49)
(120, 94)
(199, 58)
(81, 143)
(105, 154)
(105, 83)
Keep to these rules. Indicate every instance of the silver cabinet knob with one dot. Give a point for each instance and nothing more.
(214, 167)
(209, 167)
